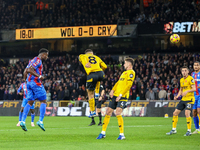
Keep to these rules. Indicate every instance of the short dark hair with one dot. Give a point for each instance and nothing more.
(184, 67)
(88, 51)
(131, 60)
(197, 62)
(43, 50)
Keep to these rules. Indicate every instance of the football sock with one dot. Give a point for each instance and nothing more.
(100, 117)
(199, 121)
(92, 119)
(92, 104)
(42, 111)
(20, 115)
(25, 113)
(105, 123)
(189, 123)
(120, 123)
(32, 117)
(174, 122)
(196, 122)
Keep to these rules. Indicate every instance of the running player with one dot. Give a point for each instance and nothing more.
(187, 88)
(94, 68)
(196, 107)
(99, 93)
(119, 96)
(24, 102)
(35, 88)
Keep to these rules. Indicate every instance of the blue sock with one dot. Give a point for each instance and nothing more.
(32, 117)
(20, 115)
(42, 111)
(25, 113)
(196, 122)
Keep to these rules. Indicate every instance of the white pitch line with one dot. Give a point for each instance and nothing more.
(134, 126)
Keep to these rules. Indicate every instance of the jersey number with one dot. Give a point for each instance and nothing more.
(92, 60)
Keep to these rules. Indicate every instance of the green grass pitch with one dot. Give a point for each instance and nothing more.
(73, 133)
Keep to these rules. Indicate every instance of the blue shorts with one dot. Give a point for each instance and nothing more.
(35, 92)
(197, 102)
(25, 101)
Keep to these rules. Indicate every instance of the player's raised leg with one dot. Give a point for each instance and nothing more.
(105, 123)
(42, 113)
(91, 102)
(20, 116)
(174, 122)
(25, 113)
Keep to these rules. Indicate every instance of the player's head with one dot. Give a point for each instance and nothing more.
(196, 66)
(128, 63)
(44, 53)
(185, 71)
(88, 51)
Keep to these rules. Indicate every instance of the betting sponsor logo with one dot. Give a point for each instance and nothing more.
(181, 27)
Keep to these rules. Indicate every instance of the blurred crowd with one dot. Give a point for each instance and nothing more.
(157, 77)
(53, 13)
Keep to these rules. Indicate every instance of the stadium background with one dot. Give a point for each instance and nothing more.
(114, 29)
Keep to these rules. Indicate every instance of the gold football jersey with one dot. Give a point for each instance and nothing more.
(96, 63)
(186, 84)
(124, 84)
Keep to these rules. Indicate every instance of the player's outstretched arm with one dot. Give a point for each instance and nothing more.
(31, 70)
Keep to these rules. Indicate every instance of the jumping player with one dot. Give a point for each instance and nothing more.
(119, 96)
(24, 102)
(187, 88)
(196, 107)
(99, 93)
(35, 88)
(94, 68)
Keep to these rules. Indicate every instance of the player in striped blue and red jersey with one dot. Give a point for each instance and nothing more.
(196, 107)
(23, 87)
(35, 88)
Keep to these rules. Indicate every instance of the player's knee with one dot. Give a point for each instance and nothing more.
(31, 102)
(175, 113)
(32, 111)
(187, 113)
(194, 112)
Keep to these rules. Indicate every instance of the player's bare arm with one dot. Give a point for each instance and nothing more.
(179, 94)
(111, 93)
(31, 70)
(188, 91)
(101, 96)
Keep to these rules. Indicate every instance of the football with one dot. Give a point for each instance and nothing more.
(174, 38)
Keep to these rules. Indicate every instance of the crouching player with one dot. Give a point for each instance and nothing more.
(118, 98)
(24, 102)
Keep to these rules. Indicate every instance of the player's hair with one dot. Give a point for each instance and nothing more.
(88, 51)
(129, 59)
(197, 62)
(184, 67)
(43, 50)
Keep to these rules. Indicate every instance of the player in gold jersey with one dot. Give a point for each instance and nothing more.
(118, 98)
(187, 88)
(94, 68)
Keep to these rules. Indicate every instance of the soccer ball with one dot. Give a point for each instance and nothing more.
(174, 38)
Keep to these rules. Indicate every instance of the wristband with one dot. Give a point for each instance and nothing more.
(120, 95)
(40, 76)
